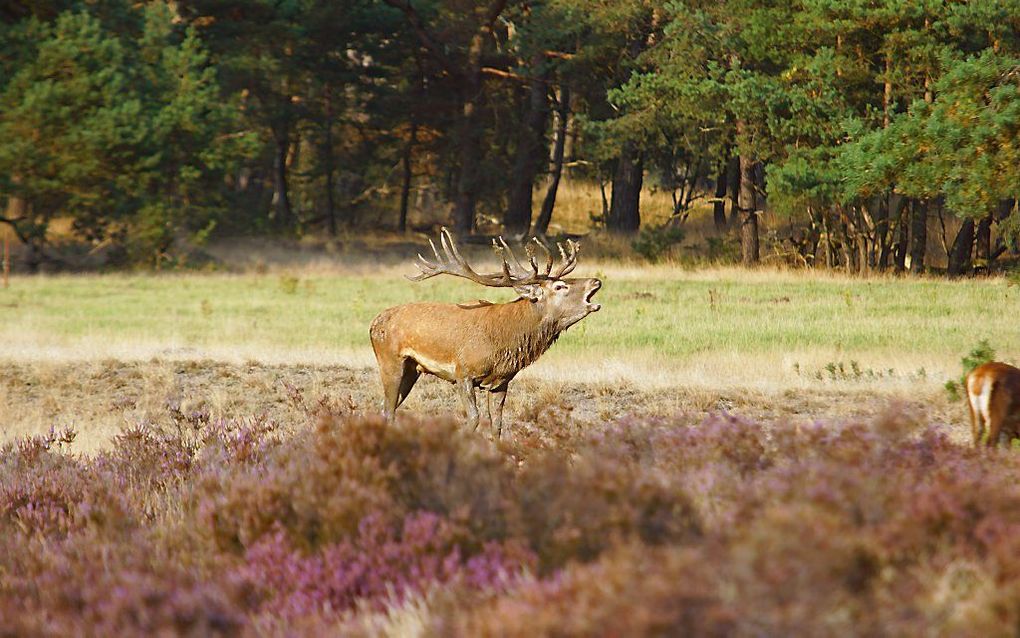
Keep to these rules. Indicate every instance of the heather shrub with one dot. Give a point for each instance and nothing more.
(319, 486)
(85, 586)
(47, 493)
(380, 565)
(844, 529)
(350, 526)
(631, 590)
(143, 457)
(574, 507)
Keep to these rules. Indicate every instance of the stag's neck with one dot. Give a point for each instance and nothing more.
(523, 336)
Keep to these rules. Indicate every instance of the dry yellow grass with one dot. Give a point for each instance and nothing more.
(100, 398)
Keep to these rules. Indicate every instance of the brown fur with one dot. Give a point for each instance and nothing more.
(475, 346)
(993, 398)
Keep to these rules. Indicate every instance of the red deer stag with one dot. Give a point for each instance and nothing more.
(993, 396)
(480, 345)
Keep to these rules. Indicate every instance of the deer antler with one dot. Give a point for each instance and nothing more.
(513, 272)
(568, 259)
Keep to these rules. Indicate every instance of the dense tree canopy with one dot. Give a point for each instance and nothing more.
(146, 124)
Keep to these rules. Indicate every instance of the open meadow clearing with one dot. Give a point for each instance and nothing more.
(101, 352)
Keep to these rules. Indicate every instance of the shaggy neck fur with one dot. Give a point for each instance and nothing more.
(522, 339)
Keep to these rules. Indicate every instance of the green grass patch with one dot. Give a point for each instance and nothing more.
(659, 313)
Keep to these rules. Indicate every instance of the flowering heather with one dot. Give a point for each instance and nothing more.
(347, 525)
(379, 564)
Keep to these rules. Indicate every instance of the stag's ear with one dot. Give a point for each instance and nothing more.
(531, 292)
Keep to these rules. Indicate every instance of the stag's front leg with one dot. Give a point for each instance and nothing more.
(466, 388)
(497, 397)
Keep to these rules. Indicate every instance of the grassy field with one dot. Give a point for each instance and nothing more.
(763, 343)
(661, 322)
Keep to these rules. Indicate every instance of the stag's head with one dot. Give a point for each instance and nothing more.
(558, 298)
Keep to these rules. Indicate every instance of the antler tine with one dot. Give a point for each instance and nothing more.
(428, 268)
(451, 262)
(568, 258)
(548, 255)
(508, 276)
(450, 249)
(530, 252)
(519, 271)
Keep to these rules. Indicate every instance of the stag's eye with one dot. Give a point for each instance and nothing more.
(559, 285)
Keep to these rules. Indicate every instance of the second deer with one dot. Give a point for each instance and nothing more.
(993, 397)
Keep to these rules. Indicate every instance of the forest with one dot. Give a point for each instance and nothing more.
(137, 126)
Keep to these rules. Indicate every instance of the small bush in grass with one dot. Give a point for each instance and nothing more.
(980, 354)
(655, 243)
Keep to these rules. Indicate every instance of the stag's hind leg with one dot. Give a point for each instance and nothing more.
(466, 390)
(497, 398)
(398, 379)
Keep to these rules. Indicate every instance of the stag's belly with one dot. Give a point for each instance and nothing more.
(444, 369)
(485, 374)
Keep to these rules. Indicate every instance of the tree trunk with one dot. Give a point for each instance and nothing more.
(624, 210)
(746, 203)
(32, 240)
(562, 114)
(918, 236)
(469, 140)
(405, 184)
(281, 200)
(962, 250)
(467, 180)
(882, 215)
(1008, 207)
(984, 241)
(330, 168)
(719, 205)
(530, 151)
(733, 188)
(903, 230)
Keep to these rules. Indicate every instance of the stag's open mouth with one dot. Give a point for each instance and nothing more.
(593, 307)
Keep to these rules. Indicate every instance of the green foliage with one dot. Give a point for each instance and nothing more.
(150, 124)
(980, 354)
(961, 146)
(654, 243)
(128, 136)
